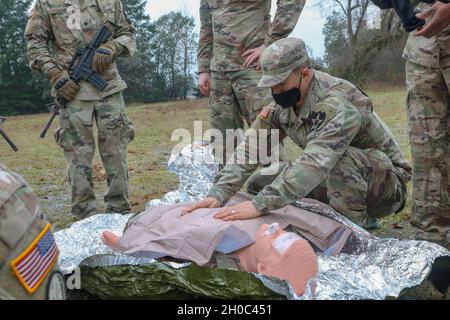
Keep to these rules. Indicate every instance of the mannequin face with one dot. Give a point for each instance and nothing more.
(281, 254)
(271, 246)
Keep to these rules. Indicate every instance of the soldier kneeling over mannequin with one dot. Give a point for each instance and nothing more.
(351, 159)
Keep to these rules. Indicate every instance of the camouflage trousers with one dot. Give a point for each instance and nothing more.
(363, 184)
(75, 135)
(235, 100)
(429, 129)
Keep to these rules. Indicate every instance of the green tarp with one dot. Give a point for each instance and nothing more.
(159, 280)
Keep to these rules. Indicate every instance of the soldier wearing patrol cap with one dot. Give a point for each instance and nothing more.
(28, 251)
(350, 161)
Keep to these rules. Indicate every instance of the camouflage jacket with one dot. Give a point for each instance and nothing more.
(335, 115)
(12, 226)
(426, 52)
(230, 27)
(22, 227)
(56, 28)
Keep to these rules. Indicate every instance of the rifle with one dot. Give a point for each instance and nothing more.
(81, 69)
(5, 136)
(54, 109)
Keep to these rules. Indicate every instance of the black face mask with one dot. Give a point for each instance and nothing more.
(289, 98)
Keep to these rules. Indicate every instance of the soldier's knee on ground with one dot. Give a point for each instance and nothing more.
(364, 187)
(347, 188)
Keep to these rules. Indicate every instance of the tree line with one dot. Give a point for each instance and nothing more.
(164, 65)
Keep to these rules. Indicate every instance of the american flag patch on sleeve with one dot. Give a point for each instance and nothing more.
(264, 113)
(33, 265)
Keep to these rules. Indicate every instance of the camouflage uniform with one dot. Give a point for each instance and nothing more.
(351, 159)
(428, 85)
(21, 223)
(55, 29)
(228, 29)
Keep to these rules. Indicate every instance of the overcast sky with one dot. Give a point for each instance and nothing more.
(309, 27)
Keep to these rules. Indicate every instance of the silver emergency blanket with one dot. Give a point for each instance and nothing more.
(83, 240)
(370, 268)
(195, 168)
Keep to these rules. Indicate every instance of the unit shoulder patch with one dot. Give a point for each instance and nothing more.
(317, 119)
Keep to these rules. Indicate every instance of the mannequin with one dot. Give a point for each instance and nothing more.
(275, 252)
(163, 231)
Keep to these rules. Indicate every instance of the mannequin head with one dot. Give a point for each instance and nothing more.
(281, 254)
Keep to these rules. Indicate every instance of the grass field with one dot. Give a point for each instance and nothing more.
(42, 164)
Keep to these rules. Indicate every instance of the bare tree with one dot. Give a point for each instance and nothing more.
(353, 45)
(354, 12)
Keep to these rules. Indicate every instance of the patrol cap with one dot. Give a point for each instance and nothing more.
(280, 59)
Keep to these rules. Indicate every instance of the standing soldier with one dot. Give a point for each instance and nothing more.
(233, 34)
(428, 85)
(28, 251)
(54, 31)
(351, 159)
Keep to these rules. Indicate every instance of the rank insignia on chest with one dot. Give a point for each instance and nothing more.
(317, 119)
(264, 113)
